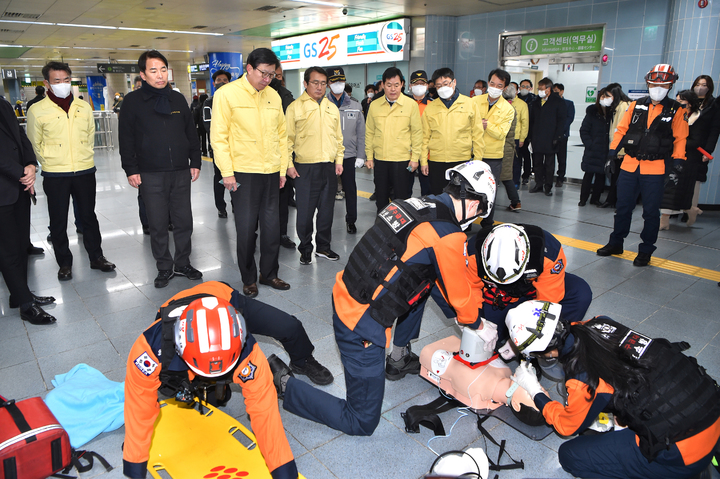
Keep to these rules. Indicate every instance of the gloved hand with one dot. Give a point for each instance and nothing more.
(678, 164)
(359, 162)
(527, 379)
(612, 154)
(610, 166)
(488, 334)
(674, 175)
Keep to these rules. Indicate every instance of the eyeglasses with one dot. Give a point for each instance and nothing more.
(317, 83)
(266, 75)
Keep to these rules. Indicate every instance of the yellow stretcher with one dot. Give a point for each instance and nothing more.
(213, 446)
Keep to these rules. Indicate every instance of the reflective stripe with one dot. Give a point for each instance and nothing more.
(202, 332)
(31, 433)
(224, 328)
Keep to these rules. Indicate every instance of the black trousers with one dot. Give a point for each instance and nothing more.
(436, 174)
(258, 199)
(612, 195)
(562, 158)
(391, 176)
(496, 168)
(219, 189)
(203, 136)
(350, 188)
(315, 190)
(588, 186)
(167, 195)
(14, 242)
(58, 190)
(286, 194)
(524, 152)
(544, 169)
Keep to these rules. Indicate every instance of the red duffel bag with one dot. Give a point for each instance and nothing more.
(33, 444)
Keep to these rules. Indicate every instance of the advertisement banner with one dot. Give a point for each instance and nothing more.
(378, 42)
(229, 61)
(95, 85)
(576, 41)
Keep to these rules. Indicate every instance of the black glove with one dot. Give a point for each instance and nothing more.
(610, 166)
(678, 164)
(674, 175)
(612, 154)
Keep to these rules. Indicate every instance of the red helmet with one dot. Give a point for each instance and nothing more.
(209, 336)
(662, 73)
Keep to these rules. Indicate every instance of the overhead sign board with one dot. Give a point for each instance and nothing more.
(9, 74)
(574, 41)
(377, 42)
(117, 68)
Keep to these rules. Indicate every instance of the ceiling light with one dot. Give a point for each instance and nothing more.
(107, 27)
(320, 2)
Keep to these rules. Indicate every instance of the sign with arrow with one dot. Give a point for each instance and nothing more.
(117, 68)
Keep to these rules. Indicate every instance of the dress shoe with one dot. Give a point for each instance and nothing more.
(163, 278)
(39, 300)
(34, 250)
(536, 189)
(102, 264)
(306, 258)
(582, 203)
(525, 181)
(642, 259)
(146, 230)
(328, 254)
(595, 202)
(222, 214)
(65, 273)
(189, 272)
(36, 315)
(606, 204)
(286, 242)
(559, 182)
(315, 371)
(275, 283)
(516, 207)
(372, 197)
(610, 249)
(548, 192)
(351, 228)
(250, 290)
(281, 373)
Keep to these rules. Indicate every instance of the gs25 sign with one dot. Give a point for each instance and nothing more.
(327, 49)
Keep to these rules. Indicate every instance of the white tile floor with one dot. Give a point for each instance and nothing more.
(100, 315)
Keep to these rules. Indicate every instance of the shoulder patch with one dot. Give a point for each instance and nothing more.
(635, 343)
(247, 373)
(557, 267)
(395, 217)
(145, 364)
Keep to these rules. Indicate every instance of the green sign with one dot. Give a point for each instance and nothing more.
(590, 94)
(577, 41)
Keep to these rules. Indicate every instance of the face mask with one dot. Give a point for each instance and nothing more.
(606, 102)
(338, 87)
(478, 92)
(419, 90)
(524, 91)
(657, 93)
(509, 93)
(701, 91)
(61, 90)
(542, 93)
(370, 94)
(445, 92)
(494, 92)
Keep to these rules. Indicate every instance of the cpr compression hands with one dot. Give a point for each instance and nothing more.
(527, 379)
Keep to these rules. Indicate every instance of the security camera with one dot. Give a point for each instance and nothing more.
(344, 10)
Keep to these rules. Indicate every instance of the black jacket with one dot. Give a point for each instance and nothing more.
(33, 101)
(595, 135)
(16, 152)
(286, 95)
(704, 134)
(153, 142)
(547, 123)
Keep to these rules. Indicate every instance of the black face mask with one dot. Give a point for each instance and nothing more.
(275, 84)
(433, 92)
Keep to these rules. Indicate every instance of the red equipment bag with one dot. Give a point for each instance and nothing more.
(33, 444)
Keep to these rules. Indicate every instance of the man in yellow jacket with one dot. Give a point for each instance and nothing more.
(315, 136)
(393, 140)
(62, 132)
(249, 140)
(452, 132)
(497, 116)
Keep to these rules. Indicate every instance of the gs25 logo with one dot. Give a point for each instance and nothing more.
(310, 50)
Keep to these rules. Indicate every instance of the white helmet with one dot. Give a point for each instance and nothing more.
(476, 182)
(535, 326)
(505, 253)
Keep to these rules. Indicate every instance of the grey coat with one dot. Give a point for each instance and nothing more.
(352, 122)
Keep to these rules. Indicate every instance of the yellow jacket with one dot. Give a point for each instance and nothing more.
(63, 143)
(248, 133)
(499, 120)
(523, 119)
(454, 134)
(393, 134)
(314, 131)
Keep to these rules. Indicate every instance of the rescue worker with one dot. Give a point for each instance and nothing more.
(414, 244)
(669, 403)
(653, 131)
(231, 355)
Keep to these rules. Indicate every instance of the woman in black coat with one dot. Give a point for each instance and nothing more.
(594, 133)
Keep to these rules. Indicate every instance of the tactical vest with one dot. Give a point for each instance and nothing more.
(656, 141)
(679, 398)
(377, 258)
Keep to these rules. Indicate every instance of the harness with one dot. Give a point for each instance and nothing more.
(678, 400)
(376, 260)
(656, 141)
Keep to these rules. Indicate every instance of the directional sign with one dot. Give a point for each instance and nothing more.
(117, 68)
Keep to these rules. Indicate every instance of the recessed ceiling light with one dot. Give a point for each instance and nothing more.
(149, 8)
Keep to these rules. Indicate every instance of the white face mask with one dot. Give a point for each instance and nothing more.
(61, 90)
(338, 87)
(524, 91)
(494, 92)
(445, 92)
(606, 102)
(370, 94)
(419, 90)
(657, 93)
(541, 93)
(478, 92)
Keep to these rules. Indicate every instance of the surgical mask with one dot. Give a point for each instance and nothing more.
(541, 93)
(510, 92)
(338, 87)
(701, 91)
(370, 94)
(524, 91)
(494, 92)
(445, 92)
(606, 102)
(61, 90)
(658, 93)
(478, 92)
(419, 90)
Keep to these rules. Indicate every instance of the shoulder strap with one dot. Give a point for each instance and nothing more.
(427, 415)
(496, 466)
(88, 456)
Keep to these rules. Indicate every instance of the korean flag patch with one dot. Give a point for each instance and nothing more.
(247, 373)
(145, 364)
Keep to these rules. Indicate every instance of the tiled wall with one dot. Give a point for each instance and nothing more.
(441, 38)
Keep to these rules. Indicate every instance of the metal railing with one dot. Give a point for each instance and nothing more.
(103, 128)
